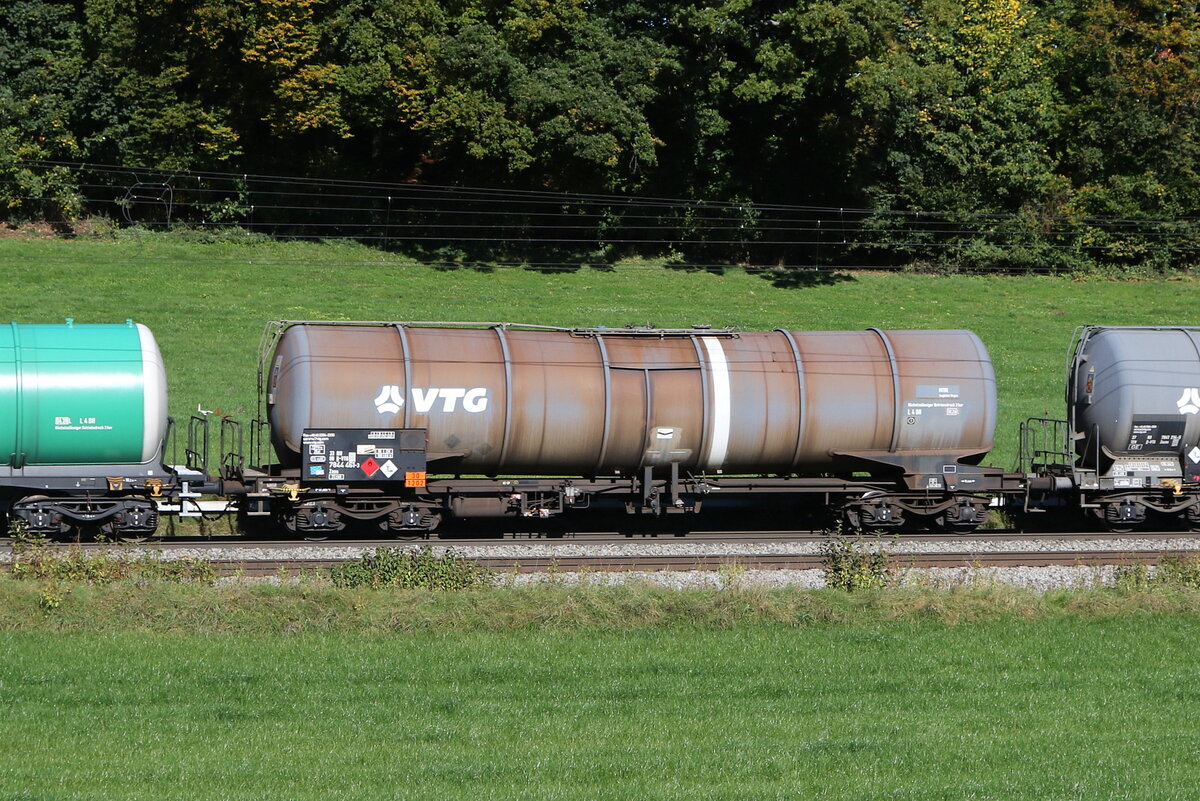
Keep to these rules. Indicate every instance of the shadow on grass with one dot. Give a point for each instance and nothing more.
(804, 277)
(486, 259)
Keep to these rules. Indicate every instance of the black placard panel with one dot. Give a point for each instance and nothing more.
(1155, 434)
(358, 455)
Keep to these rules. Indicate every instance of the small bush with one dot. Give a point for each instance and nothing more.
(1135, 577)
(392, 567)
(1173, 571)
(22, 538)
(51, 597)
(732, 576)
(1179, 571)
(997, 519)
(851, 567)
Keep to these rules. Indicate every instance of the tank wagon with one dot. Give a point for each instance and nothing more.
(397, 427)
(1130, 447)
(401, 425)
(83, 421)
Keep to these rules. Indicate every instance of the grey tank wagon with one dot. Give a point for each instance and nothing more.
(1133, 430)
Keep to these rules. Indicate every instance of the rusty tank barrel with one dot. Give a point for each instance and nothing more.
(506, 399)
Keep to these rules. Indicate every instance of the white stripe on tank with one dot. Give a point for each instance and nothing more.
(719, 368)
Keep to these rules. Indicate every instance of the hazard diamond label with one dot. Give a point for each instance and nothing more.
(370, 467)
(389, 468)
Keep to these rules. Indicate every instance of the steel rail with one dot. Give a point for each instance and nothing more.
(617, 538)
(645, 563)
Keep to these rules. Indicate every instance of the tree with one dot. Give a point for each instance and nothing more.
(40, 61)
(959, 113)
(1129, 76)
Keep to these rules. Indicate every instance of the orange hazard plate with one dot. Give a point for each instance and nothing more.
(414, 479)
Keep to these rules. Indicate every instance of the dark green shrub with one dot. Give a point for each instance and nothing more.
(393, 567)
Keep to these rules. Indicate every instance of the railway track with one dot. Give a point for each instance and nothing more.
(644, 563)
(799, 537)
(606, 552)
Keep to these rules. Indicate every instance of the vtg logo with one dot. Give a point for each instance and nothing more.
(1189, 401)
(391, 399)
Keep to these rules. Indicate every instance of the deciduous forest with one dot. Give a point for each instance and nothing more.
(1067, 132)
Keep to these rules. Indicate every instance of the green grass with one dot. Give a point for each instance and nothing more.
(316, 607)
(1050, 709)
(208, 303)
(190, 692)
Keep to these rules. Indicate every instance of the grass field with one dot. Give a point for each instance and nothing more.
(208, 303)
(184, 692)
(1049, 709)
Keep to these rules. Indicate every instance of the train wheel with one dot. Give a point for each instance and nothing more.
(315, 519)
(410, 523)
(940, 523)
(1110, 526)
(967, 515)
(1191, 518)
(874, 514)
(1121, 517)
(36, 521)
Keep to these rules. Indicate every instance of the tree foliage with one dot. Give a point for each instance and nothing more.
(1006, 118)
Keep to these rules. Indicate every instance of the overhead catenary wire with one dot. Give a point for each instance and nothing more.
(469, 193)
(709, 224)
(517, 194)
(510, 197)
(451, 226)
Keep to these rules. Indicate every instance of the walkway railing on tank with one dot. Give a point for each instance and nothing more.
(230, 443)
(260, 442)
(1044, 448)
(233, 460)
(196, 452)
